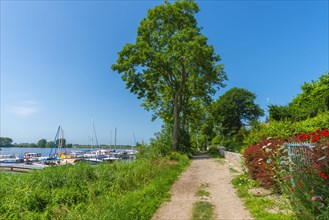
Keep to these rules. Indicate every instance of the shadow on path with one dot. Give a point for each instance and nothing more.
(200, 157)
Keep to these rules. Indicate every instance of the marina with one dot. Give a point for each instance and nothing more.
(13, 159)
(37, 158)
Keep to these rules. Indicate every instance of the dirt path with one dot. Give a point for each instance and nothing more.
(217, 177)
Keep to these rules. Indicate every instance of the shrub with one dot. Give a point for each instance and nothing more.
(305, 178)
(213, 151)
(285, 129)
(261, 163)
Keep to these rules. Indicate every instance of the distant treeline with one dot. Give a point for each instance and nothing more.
(43, 143)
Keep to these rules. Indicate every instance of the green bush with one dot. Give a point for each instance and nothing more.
(213, 151)
(284, 129)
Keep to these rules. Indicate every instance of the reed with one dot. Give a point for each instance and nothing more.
(83, 191)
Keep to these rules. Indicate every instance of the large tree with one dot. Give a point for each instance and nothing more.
(234, 109)
(6, 142)
(171, 64)
(42, 143)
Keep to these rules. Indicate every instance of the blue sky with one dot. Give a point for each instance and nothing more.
(56, 58)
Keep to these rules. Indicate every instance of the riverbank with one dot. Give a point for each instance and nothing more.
(104, 191)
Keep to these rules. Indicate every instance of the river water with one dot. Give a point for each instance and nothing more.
(19, 151)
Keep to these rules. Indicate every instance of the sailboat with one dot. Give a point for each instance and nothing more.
(99, 154)
(55, 152)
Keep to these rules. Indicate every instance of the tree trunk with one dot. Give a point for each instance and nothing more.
(175, 135)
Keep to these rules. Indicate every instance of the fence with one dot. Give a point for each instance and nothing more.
(300, 153)
(300, 156)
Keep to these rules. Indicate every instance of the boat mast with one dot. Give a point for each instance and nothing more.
(115, 138)
(94, 131)
(55, 140)
(110, 139)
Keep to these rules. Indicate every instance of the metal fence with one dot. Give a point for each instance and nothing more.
(300, 157)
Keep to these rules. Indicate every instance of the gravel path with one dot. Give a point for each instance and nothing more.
(217, 177)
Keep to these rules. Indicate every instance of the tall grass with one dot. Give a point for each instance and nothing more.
(105, 191)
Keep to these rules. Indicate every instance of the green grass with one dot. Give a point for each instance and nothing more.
(202, 211)
(201, 190)
(259, 206)
(83, 191)
(232, 170)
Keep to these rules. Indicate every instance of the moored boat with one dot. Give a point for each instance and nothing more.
(10, 158)
(32, 157)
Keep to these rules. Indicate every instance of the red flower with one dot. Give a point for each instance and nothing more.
(323, 175)
(325, 133)
(302, 137)
(315, 138)
(312, 133)
(318, 131)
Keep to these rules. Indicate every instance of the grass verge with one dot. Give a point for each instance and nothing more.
(83, 191)
(264, 208)
(202, 211)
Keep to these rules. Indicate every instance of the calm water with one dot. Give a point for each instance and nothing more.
(17, 151)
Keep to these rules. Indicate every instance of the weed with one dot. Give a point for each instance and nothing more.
(83, 191)
(232, 170)
(201, 190)
(261, 207)
(202, 210)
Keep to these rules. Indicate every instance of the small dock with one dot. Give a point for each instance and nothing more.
(19, 167)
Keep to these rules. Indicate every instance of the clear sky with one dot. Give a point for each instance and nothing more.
(56, 58)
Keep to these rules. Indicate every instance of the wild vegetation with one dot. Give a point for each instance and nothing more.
(302, 174)
(176, 73)
(202, 210)
(262, 207)
(83, 191)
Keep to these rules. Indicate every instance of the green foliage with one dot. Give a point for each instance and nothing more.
(260, 207)
(313, 100)
(160, 145)
(284, 129)
(202, 210)
(213, 151)
(32, 145)
(234, 142)
(6, 142)
(304, 176)
(83, 191)
(42, 143)
(234, 109)
(171, 66)
(216, 140)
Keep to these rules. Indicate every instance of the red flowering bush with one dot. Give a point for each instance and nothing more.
(307, 166)
(261, 163)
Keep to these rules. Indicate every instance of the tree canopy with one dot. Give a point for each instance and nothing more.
(42, 143)
(234, 109)
(313, 100)
(171, 66)
(6, 142)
